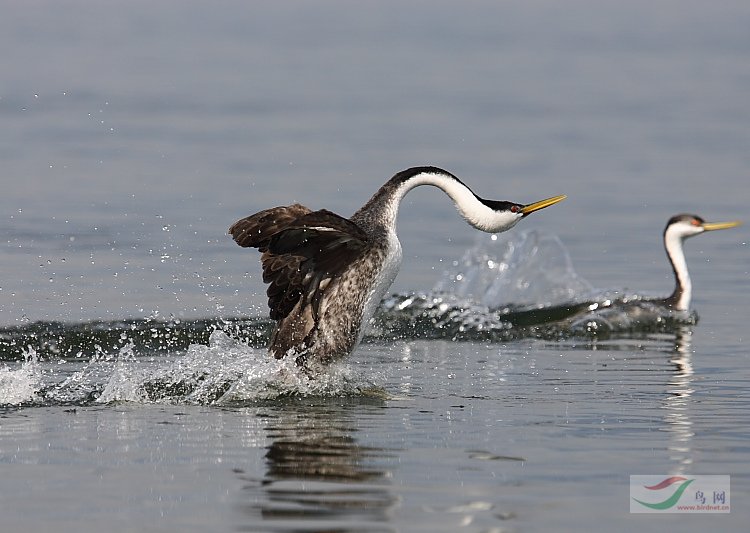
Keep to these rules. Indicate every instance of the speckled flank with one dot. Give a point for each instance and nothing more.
(351, 304)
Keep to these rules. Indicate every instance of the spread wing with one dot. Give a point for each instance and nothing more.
(302, 254)
(256, 230)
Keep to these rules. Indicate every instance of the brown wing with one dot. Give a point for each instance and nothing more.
(300, 255)
(303, 259)
(256, 230)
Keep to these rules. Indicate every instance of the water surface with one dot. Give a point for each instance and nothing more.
(136, 391)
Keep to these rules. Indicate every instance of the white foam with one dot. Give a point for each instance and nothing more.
(223, 371)
(20, 385)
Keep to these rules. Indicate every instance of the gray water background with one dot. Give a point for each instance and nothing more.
(134, 133)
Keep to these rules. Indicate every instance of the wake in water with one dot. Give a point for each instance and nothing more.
(500, 290)
(225, 371)
(521, 286)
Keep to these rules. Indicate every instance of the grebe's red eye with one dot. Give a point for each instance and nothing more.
(514, 209)
(695, 222)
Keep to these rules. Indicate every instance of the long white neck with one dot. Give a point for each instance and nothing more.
(673, 242)
(383, 206)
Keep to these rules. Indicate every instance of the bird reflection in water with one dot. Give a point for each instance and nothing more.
(677, 402)
(317, 472)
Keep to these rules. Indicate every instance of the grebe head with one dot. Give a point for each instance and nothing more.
(686, 225)
(501, 216)
(679, 228)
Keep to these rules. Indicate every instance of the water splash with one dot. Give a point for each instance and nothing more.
(20, 385)
(149, 336)
(500, 290)
(519, 286)
(526, 270)
(224, 371)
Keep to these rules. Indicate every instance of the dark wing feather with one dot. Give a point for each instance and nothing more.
(317, 247)
(256, 230)
(301, 250)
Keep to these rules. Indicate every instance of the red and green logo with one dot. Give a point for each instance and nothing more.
(670, 501)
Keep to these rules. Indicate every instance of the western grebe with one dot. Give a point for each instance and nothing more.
(327, 274)
(679, 228)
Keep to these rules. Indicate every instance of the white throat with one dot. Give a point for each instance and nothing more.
(673, 241)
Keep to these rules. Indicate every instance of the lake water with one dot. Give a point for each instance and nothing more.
(136, 394)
